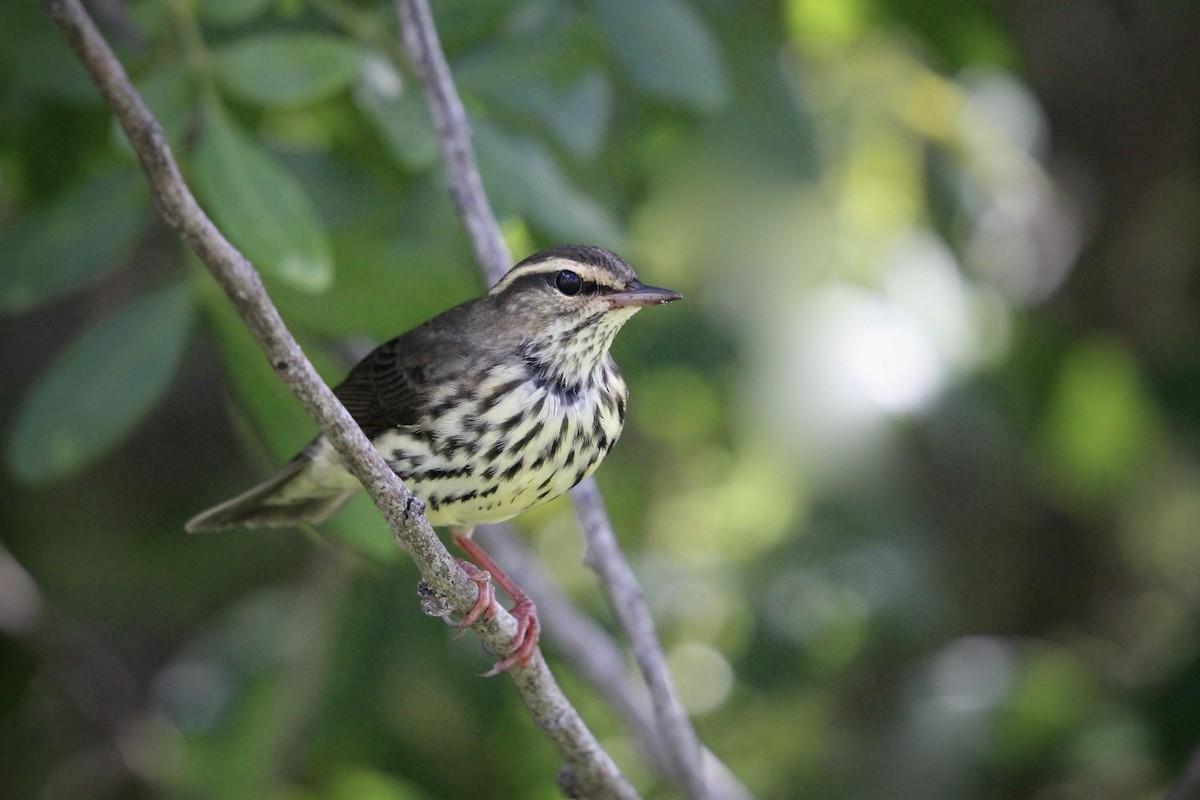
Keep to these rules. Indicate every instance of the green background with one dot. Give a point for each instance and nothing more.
(911, 478)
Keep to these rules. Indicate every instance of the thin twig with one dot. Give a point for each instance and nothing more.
(420, 39)
(625, 595)
(597, 657)
(589, 767)
(679, 738)
(578, 638)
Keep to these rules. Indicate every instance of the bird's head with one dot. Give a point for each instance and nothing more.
(569, 302)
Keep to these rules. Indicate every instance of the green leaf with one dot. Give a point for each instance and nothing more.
(524, 179)
(97, 391)
(292, 68)
(345, 195)
(274, 413)
(577, 115)
(167, 93)
(261, 207)
(552, 46)
(35, 59)
(275, 419)
(577, 118)
(91, 229)
(666, 50)
(231, 12)
(545, 65)
(398, 113)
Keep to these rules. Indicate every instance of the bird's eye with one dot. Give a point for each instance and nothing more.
(568, 282)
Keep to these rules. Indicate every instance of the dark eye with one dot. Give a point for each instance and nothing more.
(568, 282)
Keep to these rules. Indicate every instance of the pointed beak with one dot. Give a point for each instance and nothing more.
(637, 294)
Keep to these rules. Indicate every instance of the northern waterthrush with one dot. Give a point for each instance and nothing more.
(486, 410)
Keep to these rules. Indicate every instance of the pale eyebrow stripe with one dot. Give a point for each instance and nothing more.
(585, 271)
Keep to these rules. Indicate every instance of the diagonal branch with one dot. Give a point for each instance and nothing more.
(681, 745)
(604, 556)
(598, 659)
(588, 767)
(424, 51)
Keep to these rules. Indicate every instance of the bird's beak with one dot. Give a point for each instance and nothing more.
(637, 294)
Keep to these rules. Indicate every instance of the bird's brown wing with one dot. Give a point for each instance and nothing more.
(385, 389)
(391, 387)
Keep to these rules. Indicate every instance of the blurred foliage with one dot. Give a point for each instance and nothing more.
(912, 479)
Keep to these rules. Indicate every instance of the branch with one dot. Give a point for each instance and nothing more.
(597, 658)
(424, 50)
(625, 595)
(678, 737)
(588, 768)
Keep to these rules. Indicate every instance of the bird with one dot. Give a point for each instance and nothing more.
(485, 411)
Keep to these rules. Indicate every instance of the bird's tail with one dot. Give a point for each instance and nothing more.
(293, 496)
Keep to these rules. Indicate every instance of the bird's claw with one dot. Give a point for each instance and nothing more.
(528, 628)
(485, 604)
(525, 642)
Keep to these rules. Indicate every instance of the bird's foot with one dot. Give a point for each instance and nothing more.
(485, 605)
(525, 643)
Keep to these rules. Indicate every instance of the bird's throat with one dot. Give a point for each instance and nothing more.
(572, 359)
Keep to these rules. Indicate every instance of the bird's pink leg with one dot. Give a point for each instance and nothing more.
(525, 612)
(486, 603)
